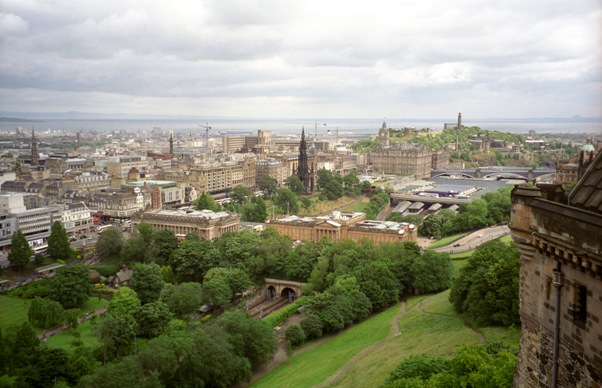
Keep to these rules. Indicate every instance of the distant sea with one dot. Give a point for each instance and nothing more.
(293, 126)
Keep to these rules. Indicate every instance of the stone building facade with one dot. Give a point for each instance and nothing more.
(403, 158)
(560, 289)
(208, 225)
(352, 226)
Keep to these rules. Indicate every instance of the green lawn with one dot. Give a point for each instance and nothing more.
(446, 241)
(356, 207)
(64, 339)
(14, 311)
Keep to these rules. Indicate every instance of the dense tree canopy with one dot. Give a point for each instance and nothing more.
(487, 287)
(70, 286)
(152, 318)
(124, 301)
(182, 299)
(192, 259)
(147, 281)
(109, 242)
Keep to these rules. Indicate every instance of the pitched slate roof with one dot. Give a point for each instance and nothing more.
(587, 194)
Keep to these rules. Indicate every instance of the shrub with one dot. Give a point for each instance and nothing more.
(31, 290)
(294, 335)
(106, 270)
(312, 326)
(281, 315)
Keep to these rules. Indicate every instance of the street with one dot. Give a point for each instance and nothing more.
(473, 240)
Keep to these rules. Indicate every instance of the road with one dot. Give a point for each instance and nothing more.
(473, 240)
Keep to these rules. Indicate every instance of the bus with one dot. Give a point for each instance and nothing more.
(99, 229)
(40, 249)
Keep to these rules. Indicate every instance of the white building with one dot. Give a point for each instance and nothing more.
(77, 217)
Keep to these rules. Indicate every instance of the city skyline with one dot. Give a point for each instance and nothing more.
(272, 59)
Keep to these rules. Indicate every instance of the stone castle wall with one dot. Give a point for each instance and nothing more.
(552, 236)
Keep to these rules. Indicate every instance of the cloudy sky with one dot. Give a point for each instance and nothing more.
(265, 58)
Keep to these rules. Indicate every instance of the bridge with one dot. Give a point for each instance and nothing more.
(527, 173)
(277, 288)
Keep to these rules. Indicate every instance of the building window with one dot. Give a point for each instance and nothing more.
(580, 304)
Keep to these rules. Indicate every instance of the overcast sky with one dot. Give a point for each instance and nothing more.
(315, 59)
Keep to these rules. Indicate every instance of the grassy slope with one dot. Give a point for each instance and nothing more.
(313, 366)
(429, 326)
(446, 240)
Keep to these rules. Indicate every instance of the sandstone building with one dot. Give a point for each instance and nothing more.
(405, 158)
(208, 225)
(353, 226)
(560, 240)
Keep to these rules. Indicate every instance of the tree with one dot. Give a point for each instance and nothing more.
(116, 334)
(71, 317)
(124, 302)
(286, 200)
(147, 281)
(206, 201)
(59, 247)
(70, 286)
(237, 279)
(47, 366)
(351, 184)
(487, 287)
(324, 177)
(312, 326)
(217, 293)
(241, 194)
(126, 373)
(377, 282)
(192, 259)
(259, 212)
(432, 272)
(182, 299)
(268, 185)
(45, 313)
(134, 249)
(295, 335)
(252, 338)
(165, 243)
(152, 319)
(146, 231)
(333, 189)
(21, 343)
(109, 243)
(20, 252)
(295, 185)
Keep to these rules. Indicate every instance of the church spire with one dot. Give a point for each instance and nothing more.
(35, 156)
(303, 169)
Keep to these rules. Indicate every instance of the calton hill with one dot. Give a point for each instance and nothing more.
(388, 315)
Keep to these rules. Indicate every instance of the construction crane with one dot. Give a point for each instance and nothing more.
(207, 128)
